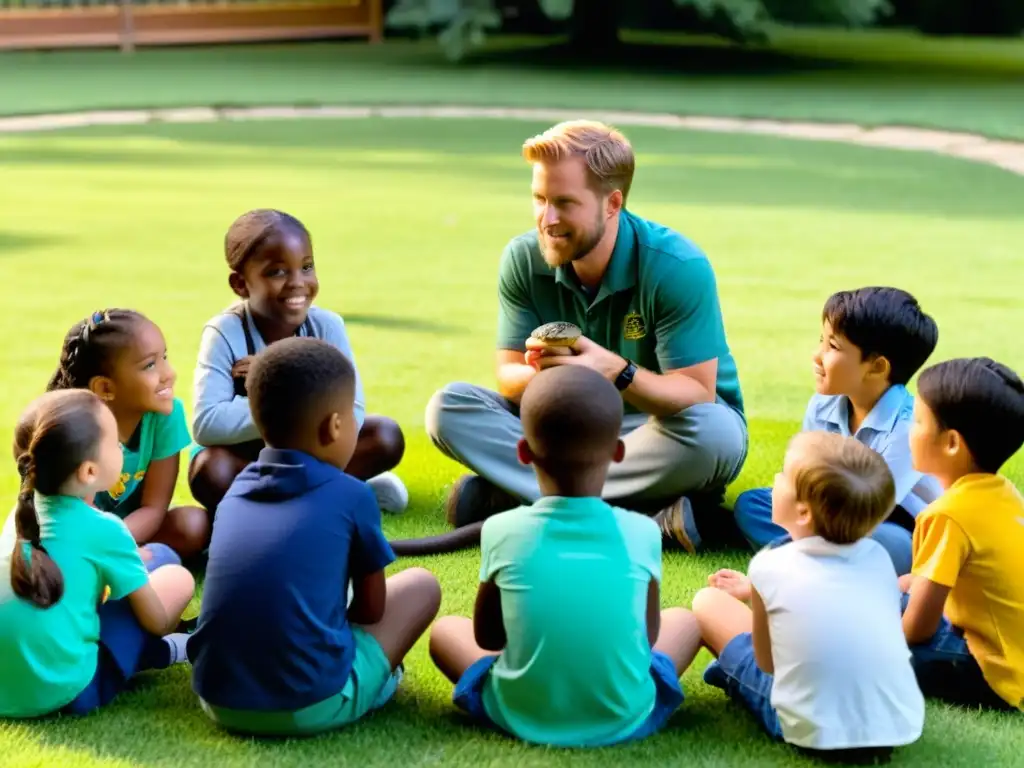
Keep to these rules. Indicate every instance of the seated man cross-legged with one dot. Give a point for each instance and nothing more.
(646, 301)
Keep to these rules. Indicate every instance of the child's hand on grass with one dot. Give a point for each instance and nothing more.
(732, 583)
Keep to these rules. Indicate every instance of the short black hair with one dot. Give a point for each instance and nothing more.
(293, 383)
(982, 400)
(571, 416)
(884, 322)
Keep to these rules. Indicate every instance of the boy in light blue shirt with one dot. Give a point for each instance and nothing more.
(568, 646)
(873, 341)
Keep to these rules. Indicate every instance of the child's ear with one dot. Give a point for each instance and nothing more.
(330, 429)
(87, 472)
(102, 387)
(523, 451)
(952, 443)
(803, 515)
(237, 283)
(620, 452)
(879, 367)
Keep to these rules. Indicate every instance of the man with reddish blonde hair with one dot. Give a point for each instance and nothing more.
(646, 300)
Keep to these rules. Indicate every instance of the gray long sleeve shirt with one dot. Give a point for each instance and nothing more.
(220, 417)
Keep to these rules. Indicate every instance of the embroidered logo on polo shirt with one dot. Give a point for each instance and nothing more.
(633, 327)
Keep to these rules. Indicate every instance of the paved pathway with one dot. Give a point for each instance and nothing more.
(1008, 155)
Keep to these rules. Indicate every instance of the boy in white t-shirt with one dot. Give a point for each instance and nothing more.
(819, 655)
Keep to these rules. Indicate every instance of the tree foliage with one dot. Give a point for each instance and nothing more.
(463, 24)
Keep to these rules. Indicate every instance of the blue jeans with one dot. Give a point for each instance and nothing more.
(946, 669)
(753, 515)
(468, 694)
(125, 649)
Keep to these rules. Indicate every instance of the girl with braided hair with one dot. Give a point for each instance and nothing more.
(121, 356)
(79, 614)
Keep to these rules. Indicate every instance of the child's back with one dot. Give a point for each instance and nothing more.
(273, 632)
(279, 650)
(568, 645)
(819, 656)
(842, 676)
(574, 576)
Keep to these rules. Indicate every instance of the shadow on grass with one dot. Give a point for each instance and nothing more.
(396, 323)
(678, 167)
(14, 243)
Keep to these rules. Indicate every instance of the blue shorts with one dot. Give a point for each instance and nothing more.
(125, 649)
(946, 669)
(161, 555)
(736, 672)
(468, 694)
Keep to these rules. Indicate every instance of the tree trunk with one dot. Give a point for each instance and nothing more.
(594, 26)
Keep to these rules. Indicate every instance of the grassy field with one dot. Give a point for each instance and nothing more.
(408, 221)
(884, 77)
(409, 218)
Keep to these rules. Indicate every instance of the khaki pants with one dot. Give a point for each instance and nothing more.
(696, 452)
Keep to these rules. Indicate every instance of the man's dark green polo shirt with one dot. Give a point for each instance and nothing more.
(657, 304)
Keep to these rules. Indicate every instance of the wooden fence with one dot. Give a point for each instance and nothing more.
(125, 24)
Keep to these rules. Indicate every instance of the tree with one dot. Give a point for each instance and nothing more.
(593, 25)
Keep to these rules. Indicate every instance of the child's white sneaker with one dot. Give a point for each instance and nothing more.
(392, 495)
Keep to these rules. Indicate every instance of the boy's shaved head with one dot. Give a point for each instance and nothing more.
(571, 417)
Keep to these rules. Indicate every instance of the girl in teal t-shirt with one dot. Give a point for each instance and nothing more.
(121, 356)
(79, 615)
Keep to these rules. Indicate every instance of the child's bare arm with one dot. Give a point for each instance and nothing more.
(488, 622)
(157, 492)
(761, 635)
(369, 598)
(924, 611)
(150, 610)
(653, 611)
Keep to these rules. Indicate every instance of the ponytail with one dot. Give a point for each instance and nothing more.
(34, 575)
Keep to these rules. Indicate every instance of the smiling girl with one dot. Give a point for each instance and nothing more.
(121, 356)
(270, 255)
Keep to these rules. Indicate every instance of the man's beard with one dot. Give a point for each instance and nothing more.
(586, 245)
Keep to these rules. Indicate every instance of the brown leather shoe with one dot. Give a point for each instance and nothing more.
(473, 499)
(672, 521)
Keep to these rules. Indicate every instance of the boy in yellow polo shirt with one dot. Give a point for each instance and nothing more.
(964, 614)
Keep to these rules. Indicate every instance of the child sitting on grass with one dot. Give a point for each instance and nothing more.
(964, 615)
(818, 656)
(79, 615)
(121, 356)
(567, 645)
(873, 340)
(277, 652)
(270, 255)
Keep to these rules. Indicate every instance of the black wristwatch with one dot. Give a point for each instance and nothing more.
(625, 378)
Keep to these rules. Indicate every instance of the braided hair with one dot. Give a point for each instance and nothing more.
(255, 229)
(90, 346)
(55, 434)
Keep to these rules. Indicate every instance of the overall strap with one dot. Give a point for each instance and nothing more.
(250, 345)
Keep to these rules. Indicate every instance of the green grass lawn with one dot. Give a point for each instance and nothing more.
(408, 220)
(869, 78)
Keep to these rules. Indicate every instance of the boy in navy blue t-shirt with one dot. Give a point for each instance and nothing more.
(277, 651)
